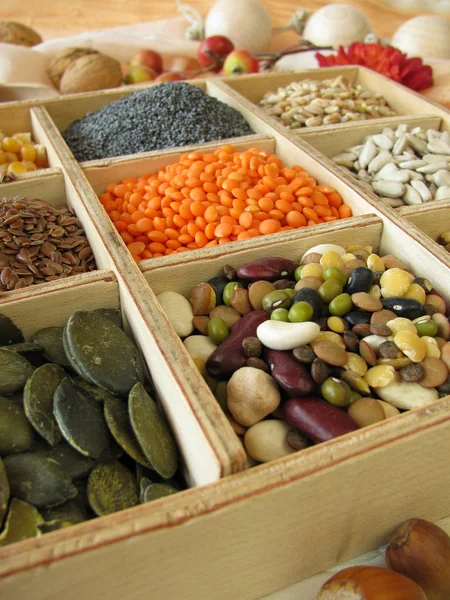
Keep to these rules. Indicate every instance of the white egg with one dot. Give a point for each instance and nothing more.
(336, 25)
(246, 23)
(426, 36)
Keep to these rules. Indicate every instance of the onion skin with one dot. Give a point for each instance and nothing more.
(370, 583)
(421, 551)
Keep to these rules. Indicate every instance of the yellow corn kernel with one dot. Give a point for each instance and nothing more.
(375, 263)
(2, 157)
(431, 346)
(356, 364)
(401, 324)
(328, 336)
(29, 166)
(11, 157)
(395, 282)
(380, 375)
(312, 270)
(347, 257)
(24, 138)
(416, 292)
(41, 156)
(28, 152)
(375, 291)
(330, 259)
(9, 144)
(354, 247)
(16, 168)
(411, 345)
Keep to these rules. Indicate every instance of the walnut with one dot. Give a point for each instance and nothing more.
(16, 33)
(91, 72)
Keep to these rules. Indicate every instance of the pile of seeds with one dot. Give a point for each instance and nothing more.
(80, 436)
(214, 198)
(310, 103)
(40, 242)
(164, 116)
(402, 166)
(302, 353)
(20, 154)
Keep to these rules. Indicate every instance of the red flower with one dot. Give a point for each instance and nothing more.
(386, 60)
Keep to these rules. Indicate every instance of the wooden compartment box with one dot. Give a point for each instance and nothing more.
(404, 101)
(275, 524)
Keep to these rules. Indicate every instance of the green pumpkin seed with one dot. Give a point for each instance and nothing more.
(51, 340)
(158, 490)
(111, 313)
(99, 351)
(74, 465)
(81, 420)
(38, 480)
(116, 415)
(111, 487)
(4, 492)
(25, 348)
(69, 513)
(16, 434)
(38, 401)
(144, 482)
(22, 522)
(14, 371)
(93, 391)
(152, 432)
(9, 333)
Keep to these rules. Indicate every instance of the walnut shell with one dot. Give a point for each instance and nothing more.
(18, 34)
(90, 73)
(61, 61)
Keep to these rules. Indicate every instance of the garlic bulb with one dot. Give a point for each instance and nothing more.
(245, 22)
(427, 36)
(336, 25)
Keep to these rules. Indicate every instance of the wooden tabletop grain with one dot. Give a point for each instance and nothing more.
(59, 18)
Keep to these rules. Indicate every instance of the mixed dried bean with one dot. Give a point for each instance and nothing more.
(340, 341)
(214, 198)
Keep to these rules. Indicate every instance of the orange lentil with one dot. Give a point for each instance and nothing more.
(311, 214)
(223, 230)
(319, 198)
(206, 199)
(136, 247)
(269, 226)
(296, 219)
(156, 247)
(344, 211)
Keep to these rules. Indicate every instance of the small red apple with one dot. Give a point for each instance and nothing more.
(169, 76)
(213, 51)
(149, 59)
(240, 61)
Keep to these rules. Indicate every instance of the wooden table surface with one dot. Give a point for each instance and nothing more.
(59, 18)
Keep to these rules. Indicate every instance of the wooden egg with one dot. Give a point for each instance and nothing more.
(426, 36)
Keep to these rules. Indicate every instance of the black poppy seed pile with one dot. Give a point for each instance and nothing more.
(164, 116)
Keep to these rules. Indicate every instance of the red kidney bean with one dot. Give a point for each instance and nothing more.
(270, 268)
(289, 373)
(318, 419)
(230, 355)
